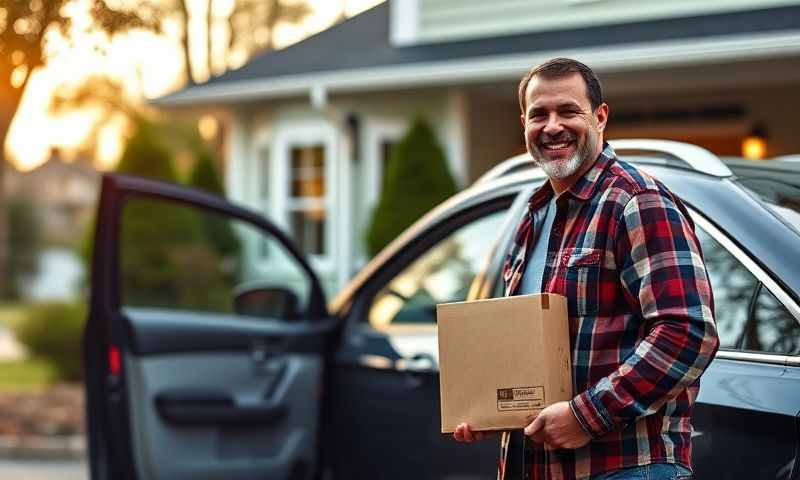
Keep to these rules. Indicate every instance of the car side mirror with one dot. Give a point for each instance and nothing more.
(267, 302)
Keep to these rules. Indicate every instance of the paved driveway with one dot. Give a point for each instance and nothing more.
(43, 470)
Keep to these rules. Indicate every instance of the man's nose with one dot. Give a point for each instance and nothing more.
(553, 125)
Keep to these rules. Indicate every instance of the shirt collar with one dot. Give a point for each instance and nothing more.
(584, 188)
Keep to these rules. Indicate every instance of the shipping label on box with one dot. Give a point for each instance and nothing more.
(502, 360)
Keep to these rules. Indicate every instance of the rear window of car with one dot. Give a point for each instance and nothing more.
(782, 197)
(776, 186)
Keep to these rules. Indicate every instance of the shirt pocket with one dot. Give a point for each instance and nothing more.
(581, 267)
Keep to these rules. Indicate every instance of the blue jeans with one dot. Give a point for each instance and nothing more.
(654, 471)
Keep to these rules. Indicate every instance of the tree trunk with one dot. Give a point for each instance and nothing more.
(187, 61)
(9, 103)
(209, 42)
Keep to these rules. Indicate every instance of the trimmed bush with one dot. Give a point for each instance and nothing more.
(52, 332)
(417, 179)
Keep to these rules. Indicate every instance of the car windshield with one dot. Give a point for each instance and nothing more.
(776, 183)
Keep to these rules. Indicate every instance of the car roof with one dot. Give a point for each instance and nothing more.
(706, 185)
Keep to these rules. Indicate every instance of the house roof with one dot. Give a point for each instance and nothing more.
(362, 43)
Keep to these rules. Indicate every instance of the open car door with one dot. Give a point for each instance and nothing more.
(205, 347)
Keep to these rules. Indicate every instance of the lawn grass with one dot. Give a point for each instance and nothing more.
(25, 375)
(12, 314)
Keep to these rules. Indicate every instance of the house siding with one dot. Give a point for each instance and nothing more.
(450, 20)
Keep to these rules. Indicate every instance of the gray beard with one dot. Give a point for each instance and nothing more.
(561, 169)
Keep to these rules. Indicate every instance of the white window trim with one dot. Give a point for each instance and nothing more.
(304, 133)
(379, 130)
(376, 131)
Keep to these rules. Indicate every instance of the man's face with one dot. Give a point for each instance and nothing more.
(562, 132)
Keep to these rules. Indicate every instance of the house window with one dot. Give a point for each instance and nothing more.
(306, 202)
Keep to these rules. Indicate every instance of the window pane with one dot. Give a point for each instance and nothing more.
(308, 229)
(774, 329)
(308, 171)
(179, 257)
(779, 188)
(443, 274)
(733, 287)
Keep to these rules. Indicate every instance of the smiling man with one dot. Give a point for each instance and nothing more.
(622, 249)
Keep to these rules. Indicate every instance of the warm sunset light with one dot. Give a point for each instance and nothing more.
(208, 126)
(148, 66)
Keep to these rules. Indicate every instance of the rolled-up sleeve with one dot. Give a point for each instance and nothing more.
(665, 282)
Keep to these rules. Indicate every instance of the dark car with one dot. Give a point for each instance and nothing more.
(211, 351)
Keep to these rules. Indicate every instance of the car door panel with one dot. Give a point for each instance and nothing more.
(398, 420)
(236, 447)
(169, 331)
(385, 384)
(180, 390)
(744, 421)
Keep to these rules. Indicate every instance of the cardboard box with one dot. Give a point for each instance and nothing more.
(502, 360)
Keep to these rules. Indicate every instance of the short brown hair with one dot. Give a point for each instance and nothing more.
(562, 67)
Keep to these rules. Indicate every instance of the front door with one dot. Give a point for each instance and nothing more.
(204, 347)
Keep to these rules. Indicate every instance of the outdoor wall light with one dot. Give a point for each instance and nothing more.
(754, 145)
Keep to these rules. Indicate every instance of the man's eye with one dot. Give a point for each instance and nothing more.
(569, 113)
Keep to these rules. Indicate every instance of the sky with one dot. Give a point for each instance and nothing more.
(147, 65)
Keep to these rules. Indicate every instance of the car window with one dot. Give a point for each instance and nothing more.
(770, 329)
(442, 274)
(179, 257)
(776, 183)
(774, 329)
(733, 286)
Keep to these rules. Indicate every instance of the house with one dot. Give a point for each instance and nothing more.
(64, 193)
(308, 127)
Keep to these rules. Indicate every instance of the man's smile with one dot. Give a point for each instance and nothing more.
(556, 149)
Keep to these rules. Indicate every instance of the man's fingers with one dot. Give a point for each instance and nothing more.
(459, 433)
(468, 436)
(536, 426)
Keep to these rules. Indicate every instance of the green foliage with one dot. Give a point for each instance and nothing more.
(416, 181)
(217, 230)
(24, 240)
(52, 332)
(25, 375)
(146, 155)
(204, 175)
(152, 231)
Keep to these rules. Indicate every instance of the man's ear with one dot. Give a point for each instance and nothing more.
(522, 119)
(602, 116)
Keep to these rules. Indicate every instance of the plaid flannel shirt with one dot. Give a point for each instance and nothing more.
(623, 251)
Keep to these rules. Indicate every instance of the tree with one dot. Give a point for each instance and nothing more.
(417, 179)
(260, 19)
(154, 234)
(24, 28)
(25, 240)
(217, 230)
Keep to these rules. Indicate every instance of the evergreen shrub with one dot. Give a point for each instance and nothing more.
(417, 179)
(52, 331)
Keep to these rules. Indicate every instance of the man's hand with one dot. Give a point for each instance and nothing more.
(557, 427)
(465, 434)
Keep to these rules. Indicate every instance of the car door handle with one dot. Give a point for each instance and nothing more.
(420, 363)
(201, 406)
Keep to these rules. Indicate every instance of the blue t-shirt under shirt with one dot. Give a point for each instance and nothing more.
(534, 270)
